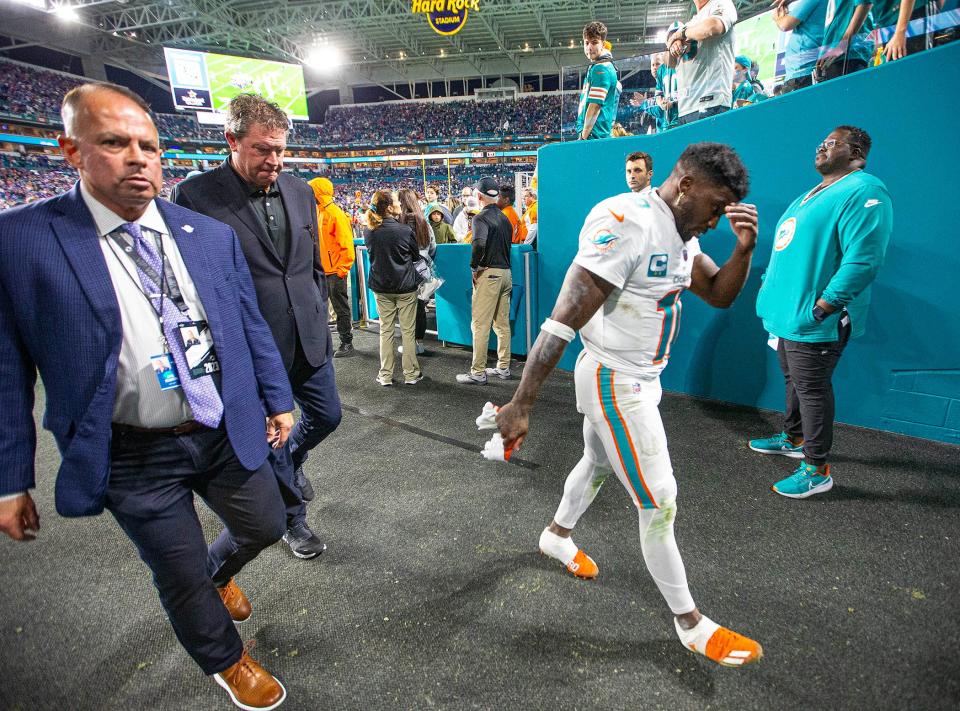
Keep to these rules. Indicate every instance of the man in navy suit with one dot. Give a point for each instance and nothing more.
(275, 217)
(141, 421)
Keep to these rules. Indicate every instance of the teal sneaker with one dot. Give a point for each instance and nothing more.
(805, 481)
(778, 444)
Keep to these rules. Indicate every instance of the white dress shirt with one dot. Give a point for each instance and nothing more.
(139, 399)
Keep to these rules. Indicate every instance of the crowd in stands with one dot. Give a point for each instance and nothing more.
(528, 115)
(24, 178)
(27, 178)
(34, 93)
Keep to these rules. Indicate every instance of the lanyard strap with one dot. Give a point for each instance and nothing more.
(167, 282)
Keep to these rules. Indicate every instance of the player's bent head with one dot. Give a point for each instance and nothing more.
(595, 30)
(248, 110)
(76, 104)
(716, 165)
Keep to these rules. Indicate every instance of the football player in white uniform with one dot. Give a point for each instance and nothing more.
(638, 252)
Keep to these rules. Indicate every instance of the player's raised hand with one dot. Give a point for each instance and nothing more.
(743, 222)
(513, 423)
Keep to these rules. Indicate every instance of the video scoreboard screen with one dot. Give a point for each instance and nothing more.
(204, 81)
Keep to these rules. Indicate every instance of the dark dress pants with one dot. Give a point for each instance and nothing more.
(808, 372)
(315, 392)
(340, 299)
(150, 493)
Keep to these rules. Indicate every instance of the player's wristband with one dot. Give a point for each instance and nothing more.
(818, 313)
(560, 330)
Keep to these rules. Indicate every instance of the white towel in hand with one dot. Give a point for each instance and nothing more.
(487, 419)
(493, 450)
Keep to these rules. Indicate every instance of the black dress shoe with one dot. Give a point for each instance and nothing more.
(345, 349)
(303, 542)
(306, 488)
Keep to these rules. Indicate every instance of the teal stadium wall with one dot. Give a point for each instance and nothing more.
(903, 375)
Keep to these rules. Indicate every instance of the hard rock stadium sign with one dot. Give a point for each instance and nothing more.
(445, 17)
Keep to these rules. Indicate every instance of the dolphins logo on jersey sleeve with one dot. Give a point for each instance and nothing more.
(604, 240)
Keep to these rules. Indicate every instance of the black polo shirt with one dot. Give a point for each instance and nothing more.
(492, 238)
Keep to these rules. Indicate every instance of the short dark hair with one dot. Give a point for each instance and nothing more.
(595, 30)
(640, 155)
(508, 191)
(719, 164)
(858, 137)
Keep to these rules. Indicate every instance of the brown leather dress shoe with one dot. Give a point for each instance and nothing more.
(251, 686)
(235, 601)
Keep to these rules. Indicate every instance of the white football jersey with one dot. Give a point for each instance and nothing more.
(631, 241)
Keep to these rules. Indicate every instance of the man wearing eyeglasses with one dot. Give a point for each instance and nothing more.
(827, 249)
(274, 215)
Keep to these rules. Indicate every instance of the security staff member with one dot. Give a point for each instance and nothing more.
(492, 284)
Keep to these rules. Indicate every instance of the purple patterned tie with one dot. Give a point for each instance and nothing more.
(201, 393)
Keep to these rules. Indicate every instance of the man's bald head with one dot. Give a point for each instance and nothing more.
(75, 103)
(110, 138)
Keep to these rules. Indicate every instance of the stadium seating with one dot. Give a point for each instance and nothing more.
(34, 94)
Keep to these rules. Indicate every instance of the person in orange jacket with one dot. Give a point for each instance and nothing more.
(530, 216)
(336, 256)
(505, 202)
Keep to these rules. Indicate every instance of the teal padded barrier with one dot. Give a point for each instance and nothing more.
(453, 298)
(904, 374)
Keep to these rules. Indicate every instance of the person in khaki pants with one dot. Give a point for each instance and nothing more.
(492, 284)
(393, 280)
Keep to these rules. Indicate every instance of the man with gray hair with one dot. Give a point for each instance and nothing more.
(145, 418)
(275, 217)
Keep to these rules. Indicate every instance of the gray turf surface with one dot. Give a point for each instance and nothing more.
(432, 594)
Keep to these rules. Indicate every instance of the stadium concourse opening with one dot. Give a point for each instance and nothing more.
(526, 261)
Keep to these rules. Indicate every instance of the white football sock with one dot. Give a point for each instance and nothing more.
(563, 549)
(696, 639)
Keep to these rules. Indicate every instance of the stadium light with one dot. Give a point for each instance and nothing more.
(325, 58)
(67, 13)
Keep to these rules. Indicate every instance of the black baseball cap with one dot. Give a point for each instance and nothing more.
(488, 186)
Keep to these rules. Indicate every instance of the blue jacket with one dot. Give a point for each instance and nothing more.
(59, 315)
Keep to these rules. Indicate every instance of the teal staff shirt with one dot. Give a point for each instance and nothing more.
(829, 245)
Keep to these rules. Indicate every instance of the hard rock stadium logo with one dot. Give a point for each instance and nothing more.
(445, 17)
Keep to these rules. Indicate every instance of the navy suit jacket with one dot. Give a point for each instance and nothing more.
(292, 291)
(59, 315)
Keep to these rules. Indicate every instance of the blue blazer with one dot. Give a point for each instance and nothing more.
(59, 315)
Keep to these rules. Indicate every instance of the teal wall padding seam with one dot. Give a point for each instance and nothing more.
(903, 375)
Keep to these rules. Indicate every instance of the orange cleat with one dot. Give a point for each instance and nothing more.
(583, 566)
(722, 645)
